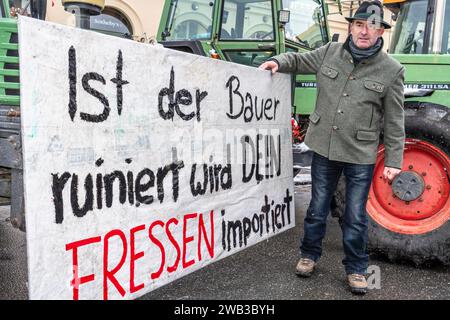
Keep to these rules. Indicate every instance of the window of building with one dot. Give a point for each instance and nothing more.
(190, 29)
(112, 22)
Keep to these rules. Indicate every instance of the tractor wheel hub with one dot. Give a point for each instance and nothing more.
(408, 185)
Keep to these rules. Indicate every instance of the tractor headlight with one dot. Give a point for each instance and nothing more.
(283, 16)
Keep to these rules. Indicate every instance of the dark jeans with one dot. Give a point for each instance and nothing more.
(325, 176)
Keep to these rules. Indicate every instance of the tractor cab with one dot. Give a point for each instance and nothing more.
(243, 31)
(422, 26)
(249, 32)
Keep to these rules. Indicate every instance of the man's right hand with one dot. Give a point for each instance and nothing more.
(269, 65)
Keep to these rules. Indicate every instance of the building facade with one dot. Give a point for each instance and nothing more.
(137, 19)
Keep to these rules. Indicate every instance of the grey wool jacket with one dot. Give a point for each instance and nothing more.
(354, 104)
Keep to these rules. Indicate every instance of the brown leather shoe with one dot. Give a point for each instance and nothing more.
(357, 283)
(305, 267)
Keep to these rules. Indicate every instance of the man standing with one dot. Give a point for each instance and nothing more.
(360, 94)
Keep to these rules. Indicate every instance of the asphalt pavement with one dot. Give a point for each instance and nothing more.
(263, 271)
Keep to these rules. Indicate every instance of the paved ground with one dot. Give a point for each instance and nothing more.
(13, 259)
(264, 271)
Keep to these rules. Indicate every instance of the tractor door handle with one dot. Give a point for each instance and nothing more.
(270, 46)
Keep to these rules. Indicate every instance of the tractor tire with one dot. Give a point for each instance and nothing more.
(416, 230)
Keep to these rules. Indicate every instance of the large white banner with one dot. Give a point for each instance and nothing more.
(143, 164)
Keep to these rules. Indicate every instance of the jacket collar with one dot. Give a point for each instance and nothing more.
(373, 59)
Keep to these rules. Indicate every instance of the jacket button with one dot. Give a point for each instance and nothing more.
(351, 60)
(335, 128)
(352, 78)
(345, 94)
(340, 111)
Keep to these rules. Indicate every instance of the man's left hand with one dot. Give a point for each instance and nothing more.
(390, 173)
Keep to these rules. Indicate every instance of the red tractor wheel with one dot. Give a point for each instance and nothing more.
(417, 201)
(409, 219)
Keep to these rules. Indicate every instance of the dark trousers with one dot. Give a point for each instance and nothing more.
(325, 176)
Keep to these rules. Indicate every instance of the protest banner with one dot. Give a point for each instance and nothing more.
(144, 164)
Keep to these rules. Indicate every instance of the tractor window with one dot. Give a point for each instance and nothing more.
(410, 28)
(249, 58)
(306, 25)
(192, 20)
(21, 7)
(247, 20)
(446, 31)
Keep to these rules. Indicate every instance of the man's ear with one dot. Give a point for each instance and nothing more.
(351, 25)
(381, 31)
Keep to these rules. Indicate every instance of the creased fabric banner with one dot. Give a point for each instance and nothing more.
(144, 164)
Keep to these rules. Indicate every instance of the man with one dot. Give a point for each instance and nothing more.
(358, 84)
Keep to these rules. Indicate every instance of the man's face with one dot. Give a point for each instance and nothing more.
(364, 34)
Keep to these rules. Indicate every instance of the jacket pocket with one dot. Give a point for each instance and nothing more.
(314, 118)
(374, 85)
(329, 72)
(367, 135)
